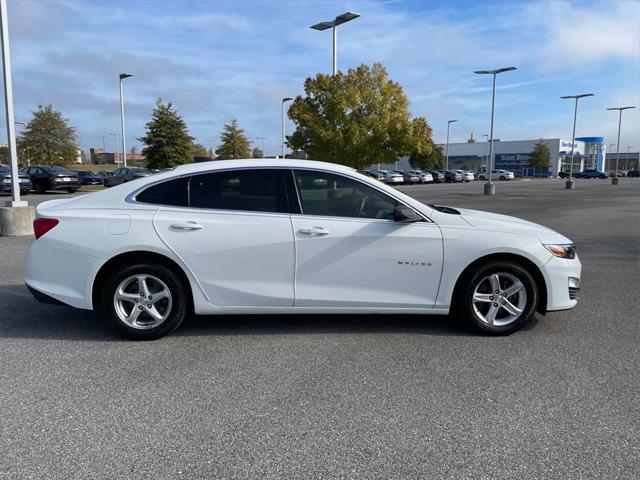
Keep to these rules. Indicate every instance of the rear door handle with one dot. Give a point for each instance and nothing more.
(186, 226)
(314, 231)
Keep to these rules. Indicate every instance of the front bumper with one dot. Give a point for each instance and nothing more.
(562, 293)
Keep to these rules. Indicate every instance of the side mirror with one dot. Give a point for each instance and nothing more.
(405, 214)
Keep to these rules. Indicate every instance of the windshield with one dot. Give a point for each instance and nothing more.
(140, 170)
(56, 170)
(4, 170)
(85, 173)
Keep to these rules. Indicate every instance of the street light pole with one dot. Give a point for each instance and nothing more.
(115, 153)
(447, 152)
(489, 187)
(8, 101)
(570, 184)
(284, 100)
(614, 179)
(122, 76)
(333, 24)
(486, 151)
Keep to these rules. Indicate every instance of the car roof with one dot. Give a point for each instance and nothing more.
(258, 162)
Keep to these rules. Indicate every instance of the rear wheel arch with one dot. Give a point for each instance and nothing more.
(140, 256)
(524, 262)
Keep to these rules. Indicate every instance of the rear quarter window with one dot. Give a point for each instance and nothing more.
(172, 192)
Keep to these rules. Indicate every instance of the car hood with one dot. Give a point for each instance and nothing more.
(506, 224)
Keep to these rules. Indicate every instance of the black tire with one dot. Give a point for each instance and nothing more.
(72, 190)
(463, 306)
(502, 177)
(24, 192)
(176, 314)
(41, 188)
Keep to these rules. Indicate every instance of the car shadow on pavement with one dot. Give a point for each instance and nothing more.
(21, 316)
(309, 324)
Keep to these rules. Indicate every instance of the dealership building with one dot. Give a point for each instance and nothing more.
(513, 155)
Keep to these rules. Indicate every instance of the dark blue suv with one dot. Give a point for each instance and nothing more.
(593, 173)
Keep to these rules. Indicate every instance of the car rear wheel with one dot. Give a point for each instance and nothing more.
(145, 301)
(41, 188)
(497, 298)
(72, 190)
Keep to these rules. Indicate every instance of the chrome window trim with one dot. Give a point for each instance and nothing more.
(131, 197)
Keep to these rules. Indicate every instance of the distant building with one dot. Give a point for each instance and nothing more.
(99, 156)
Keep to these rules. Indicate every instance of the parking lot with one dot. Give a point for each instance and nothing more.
(336, 396)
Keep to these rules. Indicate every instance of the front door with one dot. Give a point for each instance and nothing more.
(235, 236)
(350, 252)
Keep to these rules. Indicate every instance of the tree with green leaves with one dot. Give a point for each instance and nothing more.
(257, 153)
(233, 143)
(434, 160)
(540, 157)
(198, 150)
(48, 138)
(357, 119)
(167, 140)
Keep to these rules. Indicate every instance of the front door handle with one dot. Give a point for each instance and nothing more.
(314, 231)
(188, 226)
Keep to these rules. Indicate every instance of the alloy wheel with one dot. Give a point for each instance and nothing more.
(499, 299)
(142, 301)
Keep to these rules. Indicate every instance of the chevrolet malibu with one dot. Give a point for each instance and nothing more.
(292, 236)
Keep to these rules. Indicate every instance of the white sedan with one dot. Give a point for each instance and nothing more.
(290, 236)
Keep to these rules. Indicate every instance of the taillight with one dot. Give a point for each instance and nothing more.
(43, 225)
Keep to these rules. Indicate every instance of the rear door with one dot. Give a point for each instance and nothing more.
(233, 230)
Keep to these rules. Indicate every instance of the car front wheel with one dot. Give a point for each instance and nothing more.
(145, 301)
(497, 298)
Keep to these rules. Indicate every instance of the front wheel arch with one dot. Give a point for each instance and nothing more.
(129, 258)
(524, 262)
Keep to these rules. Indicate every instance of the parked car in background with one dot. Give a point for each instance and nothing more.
(451, 176)
(6, 182)
(103, 173)
(409, 178)
(303, 234)
(371, 174)
(44, 178)
(593, 173)
(497, 174)
(126, 174)
(391, 178)
(633, 173)
(466, 176)
(88, 178)
(437, 176)
(425, 177)
(618, 174)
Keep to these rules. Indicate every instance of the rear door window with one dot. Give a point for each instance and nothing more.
(256, 190)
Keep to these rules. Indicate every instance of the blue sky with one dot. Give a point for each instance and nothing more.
(218, 60)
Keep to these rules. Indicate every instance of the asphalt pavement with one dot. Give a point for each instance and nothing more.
(365, 397)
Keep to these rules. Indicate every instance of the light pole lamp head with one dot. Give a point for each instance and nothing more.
(494, 72)
(451, 121)
(582, 95)
(621, 108)
(345, 17)
(322, 26)
(287, 99)
(339, 20)
(122, 76)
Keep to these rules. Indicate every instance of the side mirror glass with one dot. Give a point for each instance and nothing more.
(405, 214)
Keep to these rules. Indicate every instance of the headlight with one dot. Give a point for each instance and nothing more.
(6, 180)
(562, 251)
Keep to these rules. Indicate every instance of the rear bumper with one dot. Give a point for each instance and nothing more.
(43, 297)
(63, 186)
(60, 274)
